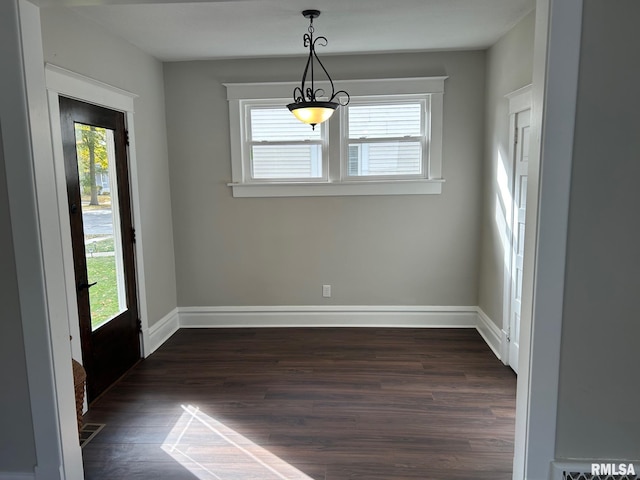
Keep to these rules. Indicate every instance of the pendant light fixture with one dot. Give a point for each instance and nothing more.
(306, 106)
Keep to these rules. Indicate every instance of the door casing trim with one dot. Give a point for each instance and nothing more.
(62, 82)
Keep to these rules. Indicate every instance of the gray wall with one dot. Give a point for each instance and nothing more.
(509, 67)
(17, 449)
(598, 414)
(72, 42)
(17, 444)
(374, 250)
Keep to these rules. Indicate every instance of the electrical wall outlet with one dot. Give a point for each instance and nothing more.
(326, 291)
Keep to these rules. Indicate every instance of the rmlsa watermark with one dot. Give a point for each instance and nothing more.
(613, 469)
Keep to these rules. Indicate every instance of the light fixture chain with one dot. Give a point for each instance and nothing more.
(312, 97)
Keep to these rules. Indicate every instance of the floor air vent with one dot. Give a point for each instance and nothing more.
(88, 431)
(589, 476)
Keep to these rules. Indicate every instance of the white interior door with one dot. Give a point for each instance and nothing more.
(521, 164)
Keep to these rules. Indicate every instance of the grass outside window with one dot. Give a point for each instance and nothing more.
(103, 297)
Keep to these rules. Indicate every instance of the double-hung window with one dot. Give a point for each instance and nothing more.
(386, 138)
(386, 141)
(280, 147)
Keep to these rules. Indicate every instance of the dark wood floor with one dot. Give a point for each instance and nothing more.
(321, 404)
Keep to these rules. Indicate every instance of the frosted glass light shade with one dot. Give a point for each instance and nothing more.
(313, 113)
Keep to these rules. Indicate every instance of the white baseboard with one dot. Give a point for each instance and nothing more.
(490, 332)
(329, 316)
(16, 476)
(504, 347)
(393, 316)
(160, 332)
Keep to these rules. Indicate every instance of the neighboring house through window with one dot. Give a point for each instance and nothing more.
(279, 146)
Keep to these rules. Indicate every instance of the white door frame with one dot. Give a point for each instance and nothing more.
(555, 86)
(62, 82)
(519, 101)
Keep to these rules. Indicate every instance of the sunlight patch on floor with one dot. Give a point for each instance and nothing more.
(212, 451)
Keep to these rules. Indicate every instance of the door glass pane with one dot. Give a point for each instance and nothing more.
(101, 222)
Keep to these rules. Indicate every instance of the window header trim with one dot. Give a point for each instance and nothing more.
(381, 86)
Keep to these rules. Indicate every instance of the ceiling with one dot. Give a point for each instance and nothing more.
(177, 30)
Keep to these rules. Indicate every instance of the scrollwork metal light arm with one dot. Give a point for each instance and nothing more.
(306, 106)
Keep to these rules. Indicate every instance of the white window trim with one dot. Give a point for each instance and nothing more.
(334, 185)
(424, 138)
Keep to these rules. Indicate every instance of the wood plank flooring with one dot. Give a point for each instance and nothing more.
(309, 404)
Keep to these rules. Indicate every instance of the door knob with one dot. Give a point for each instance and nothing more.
(83, 286)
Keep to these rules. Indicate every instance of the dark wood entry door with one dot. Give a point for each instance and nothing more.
(95, 152)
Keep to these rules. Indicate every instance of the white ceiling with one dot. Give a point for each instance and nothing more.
(179, 30)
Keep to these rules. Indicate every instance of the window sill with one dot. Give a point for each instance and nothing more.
(326, 189)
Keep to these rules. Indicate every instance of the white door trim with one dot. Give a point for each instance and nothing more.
(519, 101)
(56, 239)
(555, 86)
(71, 84)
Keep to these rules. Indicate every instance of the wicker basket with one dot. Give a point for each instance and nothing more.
(79, 378)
